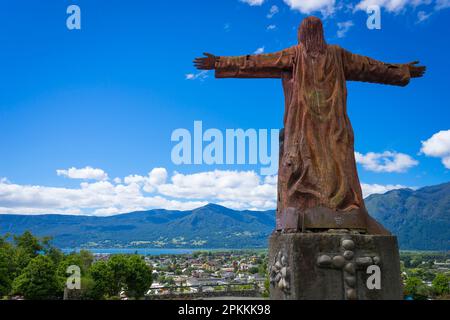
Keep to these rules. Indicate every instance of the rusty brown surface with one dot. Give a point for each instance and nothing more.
(317, 160)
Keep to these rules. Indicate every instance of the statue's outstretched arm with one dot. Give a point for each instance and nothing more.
(361, 68)
(270, 65)
(416, 71)
(206, 63)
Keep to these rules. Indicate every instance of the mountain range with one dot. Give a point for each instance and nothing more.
(211, 226)
(420, 219)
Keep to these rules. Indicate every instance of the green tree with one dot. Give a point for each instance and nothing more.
(102, 277)
(7, 266)
(170, 281)
(139, 277)
(423, 273)
(253, 270)
(262, 269)
(441, 284)
(266, 292)
(88, 289)
(21, 258)
(118, 264)
(86, 258)
(415, 288)
(28, 247)
(55, 254)
(38, 280)
(121, 272)
(29, 243)
(83, 260)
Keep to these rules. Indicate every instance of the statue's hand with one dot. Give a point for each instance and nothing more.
(206, 63)
(416, 71)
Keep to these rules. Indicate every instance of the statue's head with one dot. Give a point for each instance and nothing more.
(311, 36)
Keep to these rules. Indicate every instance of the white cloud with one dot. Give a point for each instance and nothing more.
(438, 146)
(385, 162)
(253, 2)
(87, 173)
(369, 189)
(99, 198)
(38, 211)
(241, 190)
(271, 27)
(238, 189)
(155, 178)
(442, 4)
(422, 16)
(234, 187)
(107, 211)
(343, 28)
(273, 11)
(158, 176)
(391, 5)
(259, 50)
(326, 7)
(201, 75)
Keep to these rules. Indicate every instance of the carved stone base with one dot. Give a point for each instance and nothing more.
(334, 266)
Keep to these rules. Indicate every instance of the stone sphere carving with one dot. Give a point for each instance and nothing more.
(280, 273)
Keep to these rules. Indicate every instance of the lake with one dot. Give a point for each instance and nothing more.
(144, 251)
(141, 251)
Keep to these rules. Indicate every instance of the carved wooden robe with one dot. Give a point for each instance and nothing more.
(318, 185)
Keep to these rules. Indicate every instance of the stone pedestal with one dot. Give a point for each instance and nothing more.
(334, 266)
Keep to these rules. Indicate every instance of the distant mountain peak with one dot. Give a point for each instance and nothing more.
(211, 226)
(213, 206)
(420, 218)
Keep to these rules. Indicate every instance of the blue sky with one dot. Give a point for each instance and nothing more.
(105, 99)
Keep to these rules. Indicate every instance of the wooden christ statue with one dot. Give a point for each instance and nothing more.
(318, 184)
